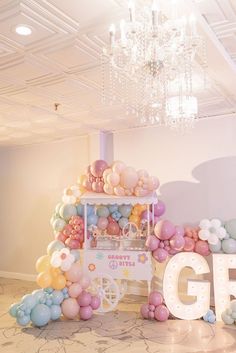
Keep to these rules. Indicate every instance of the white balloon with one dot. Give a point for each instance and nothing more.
(216, 223)
(221, 233)
(205, 224)
(204, 234)
(213, 239)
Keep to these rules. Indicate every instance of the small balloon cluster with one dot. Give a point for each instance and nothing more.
(117, 179)
(72, 234)
(194, 243)
(209, 317)
(155, 308)
(229, 315)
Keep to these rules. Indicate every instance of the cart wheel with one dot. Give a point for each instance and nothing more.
(108, 291)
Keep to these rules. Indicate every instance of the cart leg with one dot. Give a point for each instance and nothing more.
(149, 287)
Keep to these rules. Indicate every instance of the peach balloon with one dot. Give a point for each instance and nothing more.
(142, 173)
(43, 263)
(44, 279)
(74, 290)
(118, 166)
(108, 189)
(58, 282)
(74, 273)
(106, 173)
(113, 179)
(85, 281)
(153, 183)
(70, 308)
(129, 178)
(119, 191)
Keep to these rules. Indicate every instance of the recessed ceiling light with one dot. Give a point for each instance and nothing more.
(23, 30)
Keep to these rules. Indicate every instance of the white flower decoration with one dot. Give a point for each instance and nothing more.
(63, 259)
(71, 195)
(212, 231)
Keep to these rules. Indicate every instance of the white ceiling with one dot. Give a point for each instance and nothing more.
(60, 63)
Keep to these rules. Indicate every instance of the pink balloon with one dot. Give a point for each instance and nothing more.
(73, 243)
(75, 272)
(97, 186)
(113, 179)
(85, 312)
(162, 313)
(87, 185)
(142, 173)
(102, 223)
(84, 299)
(177, 242)
(129, 178)
(74, 290)
(144, 215)
(108, 189)
(85, 281)
(97, 168)
(140, 192)
(189, 244)
(159, 208)
(151, 315)
(164, 230)
(95, 302)
(151, 307)
(152, 242)
(113, 228)
(70, 308)
(118, 166)
(202, 248)
(144, 311)
(60, 236)
(160, 255)
(179, 230)
(155, 298)
(106, 173)
(119, 191)
(153, 183)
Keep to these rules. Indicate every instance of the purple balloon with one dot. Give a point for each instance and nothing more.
(160, 255)
(167, 230)
(152, 307)
(144, 311)
(177, 242)
(85, 312)
(151, 315)
(95, 302)
(155, 298)
(84, 299)
(152, 242)
(97, 168)
(179, 230)
(144, 215)
(159, 208)
(161, 313)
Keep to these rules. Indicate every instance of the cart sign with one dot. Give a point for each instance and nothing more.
(130, 265)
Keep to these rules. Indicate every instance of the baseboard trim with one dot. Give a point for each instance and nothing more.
(16, 275)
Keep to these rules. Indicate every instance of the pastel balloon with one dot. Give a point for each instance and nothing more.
(202, 248)
(155, 298)
(53, 246)
(118, 166)
(84, 299)
(75, 272)
(13, 309)
(160, 255)
(102, 223)
(76, 254)
(24, 320)
(73, 243)
(29, 301)
(161, 313)
(85, 281)
(122, 222)
(179, 230)
(153, 183)
(103, 211)
(113, 228)
(113, 179)
(129, 178)
(215, 248)
(164, 230)
(230, 227)
(142, 173)
(95, 302)
(177, 242)
(92, 220)
(159, 208)
(40, 315)
(80, 210)
(229, 246)
(97, 167)
(67, 211)
(152, 242)
(144, 311)
(44, 279)
(70, 308)
(74, 290)
(58, 224)
(58, 282)
(125, 210)
(119, 191)
(43, 263)
(57, 297)
(189, 244)
(55, 312)
(145, 214)
(108, 189)
(106, 173)
(97, 186)
(85, 312)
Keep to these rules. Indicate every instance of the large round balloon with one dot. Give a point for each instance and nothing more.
(97, 168)
(129, 178)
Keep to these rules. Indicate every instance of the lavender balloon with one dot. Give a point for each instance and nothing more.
(152, 242)
(144, 311)
(159, 208)
(160, 255)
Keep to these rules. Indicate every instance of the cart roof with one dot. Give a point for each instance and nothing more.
(105, 199)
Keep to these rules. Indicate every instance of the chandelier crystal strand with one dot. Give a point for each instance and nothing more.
(151, 61)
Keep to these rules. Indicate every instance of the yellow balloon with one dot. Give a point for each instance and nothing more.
(44, 279)
(135, 219)
(55, 271)
(135, 211)
(58, 282)
(43, 263)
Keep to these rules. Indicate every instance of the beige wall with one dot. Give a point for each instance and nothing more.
(32, 179)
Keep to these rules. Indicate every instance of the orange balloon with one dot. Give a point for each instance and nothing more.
(135, 211)
(55, 271)
(58, 282)
(135, 219)
(44, 279)
(43, 263)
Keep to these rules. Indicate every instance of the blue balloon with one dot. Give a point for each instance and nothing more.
(57, 208)
(20, 313)
(92, 220)
(40, 315)
(52, 219)
(13, 309)
(67, 211)
(230, 227)
(48, 290)
(24, 320)
(57, 297)
(215, 248)
(65, 290)
(80, 210)
(116, 215)
(90, 210)
(38, 294)
(58, 224)
(76, 254)
(48, 302)
(103, 211)
(125, 210)
(55, 312)
(27, 311)
(113, 208)
(122, 222)
(29, 300)
(229, 246)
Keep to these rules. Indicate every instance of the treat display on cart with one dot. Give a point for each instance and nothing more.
(116, 256)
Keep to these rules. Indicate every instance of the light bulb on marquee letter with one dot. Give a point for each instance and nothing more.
(223, 287)
(200, 289)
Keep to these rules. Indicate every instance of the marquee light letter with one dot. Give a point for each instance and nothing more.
(223, 287)
(200, 289)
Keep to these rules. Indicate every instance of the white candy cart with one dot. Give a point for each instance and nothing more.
(116, 259)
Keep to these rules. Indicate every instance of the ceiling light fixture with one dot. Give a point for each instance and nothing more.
(23, 30)
(152, 59)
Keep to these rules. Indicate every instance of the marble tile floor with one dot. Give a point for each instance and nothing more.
(118, 331)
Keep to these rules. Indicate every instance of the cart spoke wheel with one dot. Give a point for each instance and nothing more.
(108, 291)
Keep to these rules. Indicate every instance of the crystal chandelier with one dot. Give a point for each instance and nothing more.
(151, 62)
